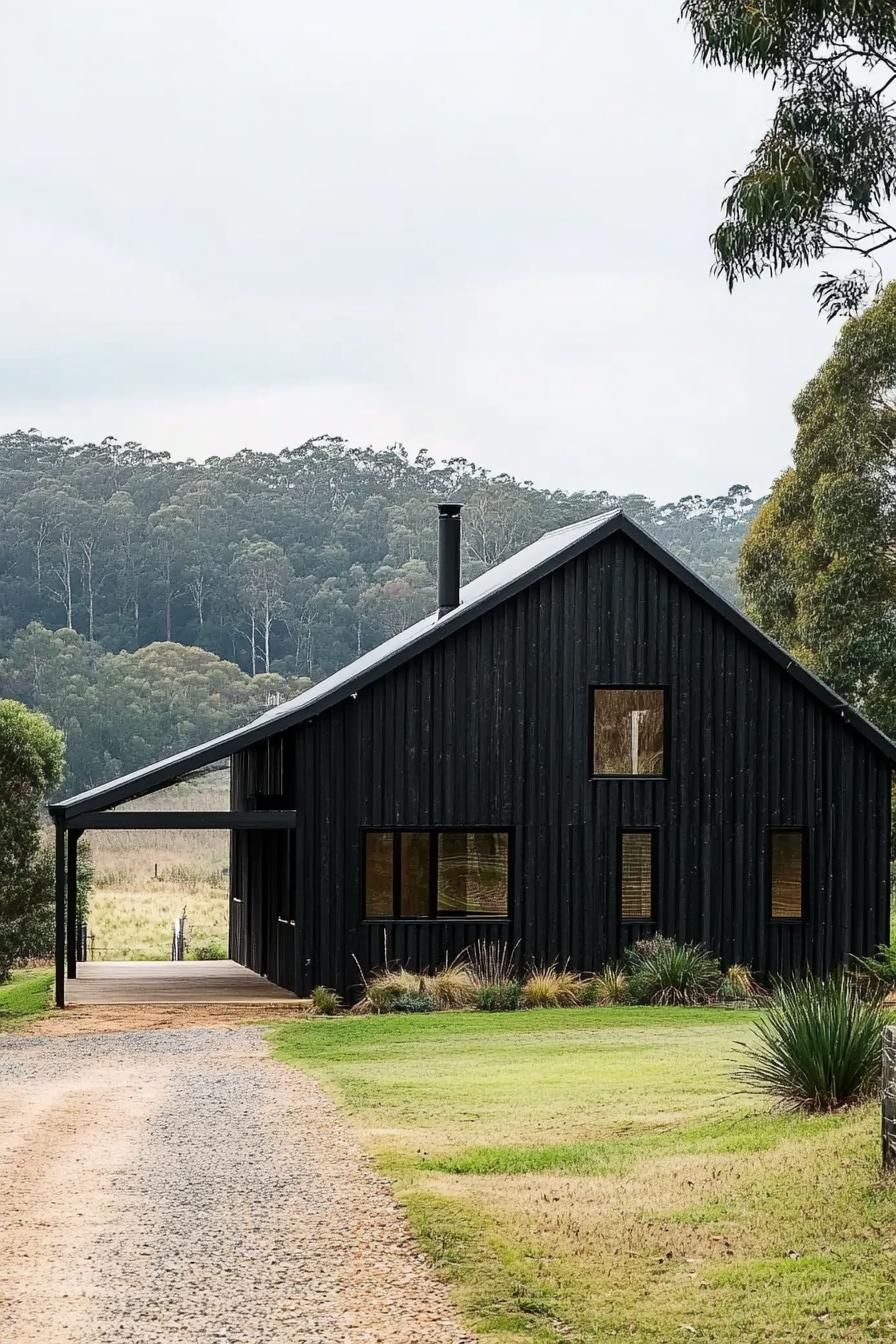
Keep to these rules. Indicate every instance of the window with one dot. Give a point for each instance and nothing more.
(379, 882)
(787, 865)
(472, 873)
(637, 872)
(431, 874)
(629, 731)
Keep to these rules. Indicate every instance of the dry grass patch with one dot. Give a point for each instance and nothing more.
(143, 880)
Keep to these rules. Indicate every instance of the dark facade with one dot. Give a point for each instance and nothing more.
(491, 726)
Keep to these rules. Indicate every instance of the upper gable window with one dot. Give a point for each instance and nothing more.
(629, 731)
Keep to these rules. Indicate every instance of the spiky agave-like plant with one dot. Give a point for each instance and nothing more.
(817, 1047)
(665, 972)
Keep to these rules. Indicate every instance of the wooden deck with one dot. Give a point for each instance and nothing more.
(163, 982)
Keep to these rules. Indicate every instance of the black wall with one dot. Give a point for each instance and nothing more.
(491, 727)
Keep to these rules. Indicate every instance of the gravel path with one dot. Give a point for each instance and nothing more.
(180, 1186)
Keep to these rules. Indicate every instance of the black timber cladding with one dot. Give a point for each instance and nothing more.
(488, 725)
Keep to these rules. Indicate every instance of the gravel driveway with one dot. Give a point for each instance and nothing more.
(181, 1186)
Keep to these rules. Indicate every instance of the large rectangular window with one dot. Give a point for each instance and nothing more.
(787, 863)
(637, 877)
(432, 874)
(629, 730)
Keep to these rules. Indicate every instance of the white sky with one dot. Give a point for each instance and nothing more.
(477, 228)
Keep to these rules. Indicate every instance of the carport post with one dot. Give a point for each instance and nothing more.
(72, 918)
(60, 913)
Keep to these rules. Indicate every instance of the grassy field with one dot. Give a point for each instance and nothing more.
(145, 879)
(591, 1174)
(24, 997)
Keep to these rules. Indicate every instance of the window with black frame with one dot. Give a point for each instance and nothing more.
(637, 877)
(787, 864)
(433, 874)
(628, 731)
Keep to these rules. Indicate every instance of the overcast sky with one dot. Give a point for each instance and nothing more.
(477, 228)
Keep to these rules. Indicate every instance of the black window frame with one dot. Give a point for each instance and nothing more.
(653, 832)
(784, 920)
(593, 689)
(435, 915)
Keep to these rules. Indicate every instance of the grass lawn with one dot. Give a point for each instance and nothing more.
(591, 1174)
(25, 996)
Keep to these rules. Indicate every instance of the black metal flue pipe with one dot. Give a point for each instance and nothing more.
(449, 557)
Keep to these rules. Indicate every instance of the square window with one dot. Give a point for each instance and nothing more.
(629, 731)
(637, 877)
(788, 874)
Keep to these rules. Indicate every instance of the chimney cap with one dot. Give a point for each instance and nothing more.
(450, 510)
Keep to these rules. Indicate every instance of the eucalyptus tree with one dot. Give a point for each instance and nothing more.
(819, 565)
(822, 176)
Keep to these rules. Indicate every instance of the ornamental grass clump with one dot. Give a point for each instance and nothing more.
(608, 987)
(452, 986)
(661, 971)
(738, 985)
(817, 1047)
(492, 963)
(325, 1002)
(384, 987)
(551, 987)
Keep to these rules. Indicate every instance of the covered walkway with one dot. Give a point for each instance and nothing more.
(169, 982)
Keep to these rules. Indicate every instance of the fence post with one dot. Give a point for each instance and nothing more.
(178, 937)
(888, 1100)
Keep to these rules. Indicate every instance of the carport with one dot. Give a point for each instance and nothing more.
(95, 810)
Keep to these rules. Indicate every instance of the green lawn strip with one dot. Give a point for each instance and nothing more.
(499, 1284)
(582, 1175)
(24, 997)
(618, 1153)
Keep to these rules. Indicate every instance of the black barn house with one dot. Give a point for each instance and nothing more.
(582, 746)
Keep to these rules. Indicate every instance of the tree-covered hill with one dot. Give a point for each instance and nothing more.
(284, 564)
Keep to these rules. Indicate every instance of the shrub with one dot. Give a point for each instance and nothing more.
(551, 987)
(738, 984)
(326, 1002)
(414, 1001)
(503, 998)
(210, 950)
(877, 974)
(31, 761)
(492, 963)
(818, 1045)
(662, 971)
(609, 986)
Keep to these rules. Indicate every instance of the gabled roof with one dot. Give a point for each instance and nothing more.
(481, 595)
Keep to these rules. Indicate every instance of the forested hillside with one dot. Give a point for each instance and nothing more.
(284, 565)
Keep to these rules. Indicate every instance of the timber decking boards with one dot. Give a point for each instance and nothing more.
(101, 982)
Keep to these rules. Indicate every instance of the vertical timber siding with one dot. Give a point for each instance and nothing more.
(262, 936)
(491, 727)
